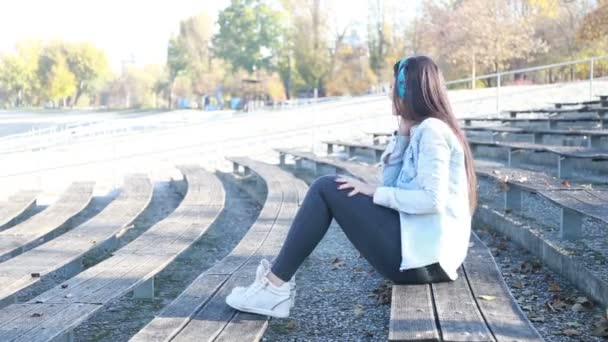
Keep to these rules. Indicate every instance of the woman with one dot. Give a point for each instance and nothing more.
(414, 228)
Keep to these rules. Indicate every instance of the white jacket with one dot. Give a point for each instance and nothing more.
(424, 178)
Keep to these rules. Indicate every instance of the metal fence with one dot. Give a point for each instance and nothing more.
(500, 76)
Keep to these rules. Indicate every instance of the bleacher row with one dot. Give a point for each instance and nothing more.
(33, 248)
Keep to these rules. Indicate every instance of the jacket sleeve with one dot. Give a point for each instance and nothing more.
(432, 174)
(392, 158)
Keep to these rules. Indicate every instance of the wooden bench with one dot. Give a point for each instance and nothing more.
(565, 155)
(327, 165)
(454, 311)
(540, 183)
(55, 313)
(47, 224)
(66, 251)
(550, 123)
(200, 313)
(596, 138)
(352, 147)
(377, 135)
(15, 206)
(600, 102)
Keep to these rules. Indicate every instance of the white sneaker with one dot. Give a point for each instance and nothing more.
(261, 271)
(262, 297)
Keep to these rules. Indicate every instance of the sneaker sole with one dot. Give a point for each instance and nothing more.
(257, 311)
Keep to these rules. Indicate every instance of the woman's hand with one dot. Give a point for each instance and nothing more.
(358, 186)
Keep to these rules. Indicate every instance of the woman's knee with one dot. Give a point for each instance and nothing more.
(324, 183)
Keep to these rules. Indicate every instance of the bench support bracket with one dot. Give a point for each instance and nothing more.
(570, 225)
(145, 289)
(513, 198)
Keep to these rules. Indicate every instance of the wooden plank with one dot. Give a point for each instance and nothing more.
(247, 326)
(412, 314)
(190, 318)
(28, 319)
(65, 320)
(15, 206)
(213, 317)
(368, 173)
(29, 233)
(15, 274)
(176, 315)
(502, 314)
(122, 272)
(457, 311)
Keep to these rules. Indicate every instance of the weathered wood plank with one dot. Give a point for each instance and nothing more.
(15, 206)
(369, 174)
(176, 315)
(29, 233)
(502, 314)
(213, 317)
(457, 311)
(412, 314)
(206, 317)
(57, 325)
(122, 272)
(15, 273)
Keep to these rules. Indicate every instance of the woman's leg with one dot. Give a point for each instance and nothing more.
(373, 229)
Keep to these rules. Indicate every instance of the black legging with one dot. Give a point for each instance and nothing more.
(373, 229)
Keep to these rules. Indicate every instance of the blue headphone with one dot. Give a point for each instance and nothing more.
(400, 70)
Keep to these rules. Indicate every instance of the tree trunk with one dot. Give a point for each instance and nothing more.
(473, 71)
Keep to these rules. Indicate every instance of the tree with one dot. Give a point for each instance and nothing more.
(19, 72)
(189, 56)
(13, 77)
(60, 81)
(595, 24)
(89, 66)
(352, 74)
(249, 35)
(474, 35)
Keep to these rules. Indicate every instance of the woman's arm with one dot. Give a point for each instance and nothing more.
(432, 176)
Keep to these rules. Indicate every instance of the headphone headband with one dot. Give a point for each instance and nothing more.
(400, 70)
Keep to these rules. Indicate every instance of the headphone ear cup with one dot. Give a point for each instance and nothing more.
(402, 78)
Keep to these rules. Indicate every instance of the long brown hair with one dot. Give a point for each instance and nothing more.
(427, 97)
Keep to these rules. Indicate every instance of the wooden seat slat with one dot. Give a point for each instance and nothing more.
(31, 232)
(15, 273)
(200, 312)
(506, 320)
(16, 205)
(127, 271)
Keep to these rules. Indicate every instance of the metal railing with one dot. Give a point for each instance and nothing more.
(500, 75)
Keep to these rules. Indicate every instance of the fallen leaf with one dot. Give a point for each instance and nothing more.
(554, 288)
(486, 297)
(600, 331)
(291, 324)
(566, 183)
(537, 319)
(358, 311)
(35, 275)
(571, 332)
(578, 307)
(336, 263)
(36, 314)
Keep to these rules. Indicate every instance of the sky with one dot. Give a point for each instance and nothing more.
(125, 29)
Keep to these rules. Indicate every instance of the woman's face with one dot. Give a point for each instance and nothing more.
(391, 98)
